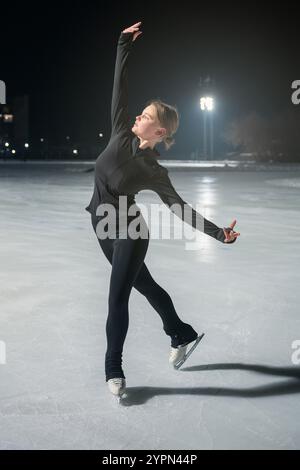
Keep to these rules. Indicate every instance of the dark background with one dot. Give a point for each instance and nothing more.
(62, 54)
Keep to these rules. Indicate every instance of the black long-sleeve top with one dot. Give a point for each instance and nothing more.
(123, 168)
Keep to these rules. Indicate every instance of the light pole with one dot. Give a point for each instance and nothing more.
(211, 135)
(204, 135)
(207, 106)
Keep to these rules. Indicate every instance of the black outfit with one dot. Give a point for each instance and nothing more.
(123, 168)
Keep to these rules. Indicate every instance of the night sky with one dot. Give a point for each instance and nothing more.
(62, 54)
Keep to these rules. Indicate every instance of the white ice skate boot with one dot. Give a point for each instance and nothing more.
(180, 354)
(117, 386)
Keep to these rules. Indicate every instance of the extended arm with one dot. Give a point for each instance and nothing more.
(162, 185)
(119, 102)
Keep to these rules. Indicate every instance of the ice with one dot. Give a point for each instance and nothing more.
(238, 390)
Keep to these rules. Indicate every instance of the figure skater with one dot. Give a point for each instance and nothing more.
(126, 166)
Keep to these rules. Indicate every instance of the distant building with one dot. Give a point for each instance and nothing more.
(6, 123)
(21, 120)
(14, 121)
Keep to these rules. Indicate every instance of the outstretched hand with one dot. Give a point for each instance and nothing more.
(229, 233)
(133, 29)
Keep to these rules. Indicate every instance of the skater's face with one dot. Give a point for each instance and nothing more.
(147, 126)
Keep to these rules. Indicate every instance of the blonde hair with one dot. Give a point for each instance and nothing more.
(168, 117)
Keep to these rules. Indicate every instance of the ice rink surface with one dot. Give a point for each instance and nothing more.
(238, 390)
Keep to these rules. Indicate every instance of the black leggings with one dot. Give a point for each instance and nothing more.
(129, 270)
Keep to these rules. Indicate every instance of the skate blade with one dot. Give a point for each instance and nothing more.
(121, 396)
(187, 354)
(117, 398)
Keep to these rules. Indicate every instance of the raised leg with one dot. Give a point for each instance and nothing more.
(162, 303)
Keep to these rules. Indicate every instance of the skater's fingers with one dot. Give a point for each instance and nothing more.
(226, 236)
(136, 35)
(226, 232)
(235, 234)
(232, 237)
(230, 234)
(132, 28)
(135, 25)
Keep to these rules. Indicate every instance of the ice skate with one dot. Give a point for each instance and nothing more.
(180, 354)
(117, 387)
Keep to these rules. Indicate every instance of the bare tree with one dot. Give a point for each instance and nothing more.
(276, 138)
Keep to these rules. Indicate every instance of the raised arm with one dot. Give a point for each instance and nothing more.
(119, 103)
(162, 185)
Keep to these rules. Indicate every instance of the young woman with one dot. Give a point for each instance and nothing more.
(126, 166)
